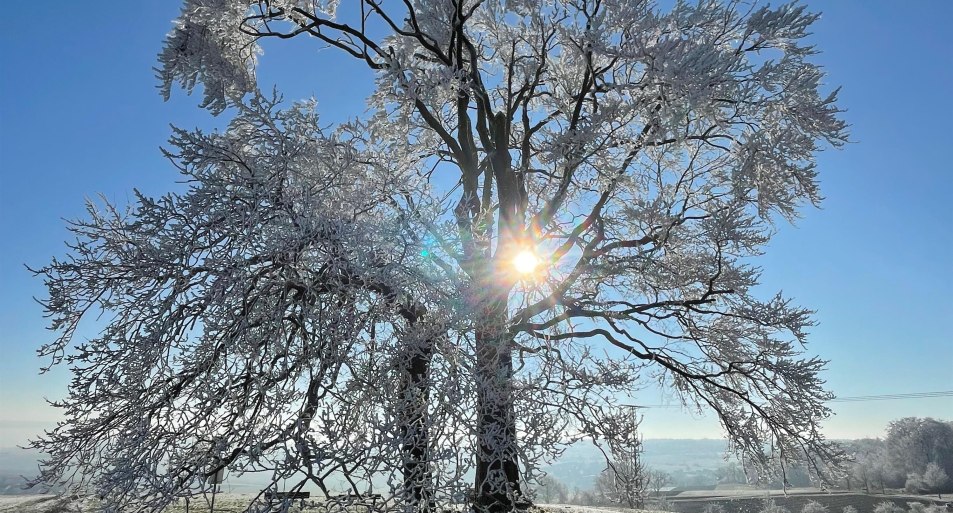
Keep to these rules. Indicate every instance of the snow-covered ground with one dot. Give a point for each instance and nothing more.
(25, 503)
(572, 508)
(224, 503)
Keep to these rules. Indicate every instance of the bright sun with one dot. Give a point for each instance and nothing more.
(525, 262)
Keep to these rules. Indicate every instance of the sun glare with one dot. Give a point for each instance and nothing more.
(525, 262)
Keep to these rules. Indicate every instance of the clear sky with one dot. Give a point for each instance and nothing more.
(80, 115)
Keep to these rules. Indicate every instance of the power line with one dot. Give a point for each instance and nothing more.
(887, 397)
(849, 399)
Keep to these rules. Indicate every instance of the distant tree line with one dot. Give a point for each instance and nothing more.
(610, 489)
(916, 455)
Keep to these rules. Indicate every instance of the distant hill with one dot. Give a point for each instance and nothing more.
(15, 463)
(14, 460)
(582, 462)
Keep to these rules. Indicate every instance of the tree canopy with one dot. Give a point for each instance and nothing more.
(342, 302)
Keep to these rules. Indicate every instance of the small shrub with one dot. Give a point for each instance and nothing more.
(814, 507)
(63, 505)
(850, 509)
(664, 504)
(887, 507)
(714, 508)
(914, 484)
(772, 507)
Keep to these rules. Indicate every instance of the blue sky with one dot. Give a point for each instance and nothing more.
(80, 115)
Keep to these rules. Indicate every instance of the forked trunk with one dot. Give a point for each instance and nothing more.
(497, 483)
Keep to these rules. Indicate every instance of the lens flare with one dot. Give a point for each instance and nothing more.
(525, 262)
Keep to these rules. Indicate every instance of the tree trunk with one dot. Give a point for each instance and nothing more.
(415, 425)
(497, 483)
(497, 480)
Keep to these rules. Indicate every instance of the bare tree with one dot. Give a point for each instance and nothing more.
(659, 480)
(626, 480)
(731, 473)
(548, 203)
(550, 490)
(861, 470)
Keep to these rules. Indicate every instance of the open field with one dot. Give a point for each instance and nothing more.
(745, 491)
(225, 503)
(794, 501)
(235, 503)
(26, 503)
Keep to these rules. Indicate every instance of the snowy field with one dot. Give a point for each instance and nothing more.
(224, 503)
(26, 503)
(748, 492)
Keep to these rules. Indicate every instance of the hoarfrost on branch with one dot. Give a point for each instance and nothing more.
(340, 303)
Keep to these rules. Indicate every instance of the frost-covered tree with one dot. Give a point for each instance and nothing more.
(626, 476)
(866, 456)
(658, 480)
(935, 478)
(912, 443)
(550, 490)
(548, 203)
(914, 483)
(251, 321)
